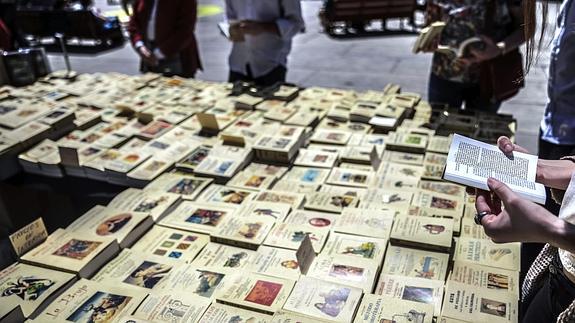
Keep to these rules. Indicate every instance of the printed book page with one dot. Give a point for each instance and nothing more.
(471, 162)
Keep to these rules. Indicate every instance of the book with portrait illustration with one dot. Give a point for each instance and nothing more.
(172, 306)
(324, 301)
(224, 258)
(252, 181)
(316, 158)
(422, 232)
(243, 232)
(73, 252)
(171, 243)
(384, 309)
(407, 142)
(311, 219)
(505, 281)
(198, 217)
(308, 175)
(488, 253)
(264, 294)
(355, 247)
(416, 263)
(471, 162)
(31, 288)
(290, 236)
(354, 272)
(426, 291)
(137, 270)
(329, 202)
(188, 187)
(125, 226)
(155, 203)
(438, 201)
(483, 305)
(350, 177)
(221, 313)
(284, 197)
(219, 194)
(365, 222)
(276, 211)
(276, 262)
(90, 301)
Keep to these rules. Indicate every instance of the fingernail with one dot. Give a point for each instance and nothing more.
(490, 181)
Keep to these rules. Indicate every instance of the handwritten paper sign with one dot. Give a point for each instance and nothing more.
(29, 237)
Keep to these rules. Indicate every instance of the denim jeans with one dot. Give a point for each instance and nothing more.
(454, 94)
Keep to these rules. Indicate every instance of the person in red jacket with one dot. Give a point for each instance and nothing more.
(162, 33)
(5, 37)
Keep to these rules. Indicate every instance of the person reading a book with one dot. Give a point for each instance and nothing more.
(477, 32)
(549, 287)
(261, 32)
(162, 33)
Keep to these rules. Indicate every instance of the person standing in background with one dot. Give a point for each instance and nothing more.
(456, 80)
(262, 32)
(162, 33)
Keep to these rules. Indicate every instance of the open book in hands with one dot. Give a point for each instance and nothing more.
(462, 50)
(471, 162)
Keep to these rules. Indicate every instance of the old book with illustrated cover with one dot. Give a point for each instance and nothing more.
(172, 307)
(224, 258)
(198, 217)
(506, 281)
(32, 288)
(73, 252)
(423, 232)
(318, 299)
(376, 308)
(487, 253)
(125, 226)
(354, 272)
(290, 236)
(243, 232)
(256, 292)
(89, 301)
(483, 305)
(427, 291)
(415, 263)
(276, 262)
(221, 313)
(171, 243)
(356, 247)
(157, 204)
(189, 187)
(365, 222)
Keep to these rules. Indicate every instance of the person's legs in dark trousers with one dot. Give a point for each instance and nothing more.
(277, 75)
(444, 92)
(556, 294)
(474, 101)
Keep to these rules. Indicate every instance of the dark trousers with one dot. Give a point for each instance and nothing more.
(454, 94)
(556, 294)
(277, 75)
(547, 150)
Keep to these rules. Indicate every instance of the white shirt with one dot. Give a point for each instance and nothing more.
(265, 51)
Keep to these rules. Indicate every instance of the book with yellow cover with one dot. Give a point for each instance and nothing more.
(487, 253)
(498, 279)
(427, 291)
(415, 263)
(376, 308)
(354, 272)
(422, 232)
(355, 247)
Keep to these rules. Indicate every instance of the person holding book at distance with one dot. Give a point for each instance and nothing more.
(476, 31)
(548, 293)
(262, 32)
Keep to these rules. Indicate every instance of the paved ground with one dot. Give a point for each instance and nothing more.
(316, 59)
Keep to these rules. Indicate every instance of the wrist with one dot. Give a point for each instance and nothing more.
(559, 232)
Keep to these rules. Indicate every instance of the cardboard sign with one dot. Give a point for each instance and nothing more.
(305, 255)
(374, 158)
(208, 121)
(231, 140)
(69, 156)
(29, 237)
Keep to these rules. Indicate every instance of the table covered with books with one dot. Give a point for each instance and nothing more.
(226, 186)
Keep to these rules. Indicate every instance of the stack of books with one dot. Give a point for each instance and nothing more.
(227, 190)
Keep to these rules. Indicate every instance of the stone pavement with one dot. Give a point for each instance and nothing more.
(317, 60)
